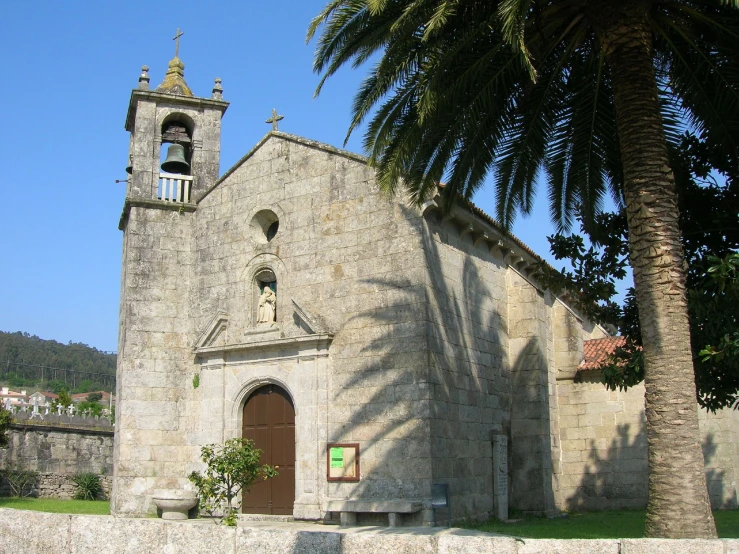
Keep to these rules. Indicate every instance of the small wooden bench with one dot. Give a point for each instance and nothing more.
(348, 509)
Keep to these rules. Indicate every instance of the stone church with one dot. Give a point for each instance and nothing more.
(373, 350)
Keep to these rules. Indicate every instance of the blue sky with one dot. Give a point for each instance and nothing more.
(68, 69)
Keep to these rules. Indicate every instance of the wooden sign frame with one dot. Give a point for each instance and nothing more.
(349, 472)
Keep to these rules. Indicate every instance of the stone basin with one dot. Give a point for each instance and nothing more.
(175, 507)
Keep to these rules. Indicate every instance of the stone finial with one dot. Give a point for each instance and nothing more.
(217, 90)
(174, 79)
(144, 78)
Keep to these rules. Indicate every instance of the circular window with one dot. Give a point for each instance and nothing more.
(264, 226)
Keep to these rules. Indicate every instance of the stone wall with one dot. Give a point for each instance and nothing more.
(59, 450)
(350, 256)
(32, 532)
(604, 448)
(467, 341)
(55, 485)
(720, 433)
(154, 392)
(531, 353)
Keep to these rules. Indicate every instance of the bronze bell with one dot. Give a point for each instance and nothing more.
(129, 167)
(176, 162)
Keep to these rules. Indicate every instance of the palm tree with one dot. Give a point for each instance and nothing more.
(591, 91)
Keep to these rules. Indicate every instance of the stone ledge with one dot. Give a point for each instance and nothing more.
(23, 531)
(44, 426)
(151, 204)
(303, 346)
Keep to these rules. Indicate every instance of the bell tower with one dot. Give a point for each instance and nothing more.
(174, 153)
(190, 127)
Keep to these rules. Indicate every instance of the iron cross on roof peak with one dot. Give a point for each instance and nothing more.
(274, 119)
(176, 38)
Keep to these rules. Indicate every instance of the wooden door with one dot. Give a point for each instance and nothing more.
(269, 420)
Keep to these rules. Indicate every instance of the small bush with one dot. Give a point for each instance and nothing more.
(22, 482)
(230, 468)
(88, 486)
(5, 419)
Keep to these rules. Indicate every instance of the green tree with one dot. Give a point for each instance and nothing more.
(94, 397)
(722, 288)
(591, 92)
(95, 408)
(5, 418)
(64, 400)
(230, 469)
(708, 189)
(56, 386)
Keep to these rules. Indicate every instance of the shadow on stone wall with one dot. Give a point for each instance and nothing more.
(530, 450)
(715, 478)
(435, 384)
(614, 477)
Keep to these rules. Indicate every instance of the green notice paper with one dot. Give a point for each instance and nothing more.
(337, 457)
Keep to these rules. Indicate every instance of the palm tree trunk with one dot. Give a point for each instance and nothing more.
(678, 498)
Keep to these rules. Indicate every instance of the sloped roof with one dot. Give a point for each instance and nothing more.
(84, 395)
(12, 393)
(46, 394)
(596, 351)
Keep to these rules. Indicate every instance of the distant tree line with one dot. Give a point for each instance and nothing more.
(29, 361)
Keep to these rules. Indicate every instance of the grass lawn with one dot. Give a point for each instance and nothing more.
(54, 505)
(624, 524)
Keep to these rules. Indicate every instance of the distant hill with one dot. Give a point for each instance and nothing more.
(27, 360)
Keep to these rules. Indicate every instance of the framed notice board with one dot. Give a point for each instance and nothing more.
(342, 462)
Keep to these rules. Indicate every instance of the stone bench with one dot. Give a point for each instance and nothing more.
(348, 509)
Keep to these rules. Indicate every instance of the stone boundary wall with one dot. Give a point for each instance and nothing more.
(604, 448)
(63, 450)
(54, 485)
(32, 532)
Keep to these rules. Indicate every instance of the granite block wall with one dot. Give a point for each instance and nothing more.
(57, 453)
(467, 340)
(604, 448)
(57, 450)
(531, 353)
(350, 256)
(719, 433)
(55, 485)
(155, 410)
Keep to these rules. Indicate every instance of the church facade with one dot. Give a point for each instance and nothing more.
(371, 349)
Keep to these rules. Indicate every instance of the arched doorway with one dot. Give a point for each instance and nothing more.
(269, 420)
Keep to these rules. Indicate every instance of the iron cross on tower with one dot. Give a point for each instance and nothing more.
(274, 119)
(176, 38)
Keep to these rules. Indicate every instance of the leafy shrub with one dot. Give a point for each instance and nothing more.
(22, 482)
(230, 469)
(5, 418)
(64, 400)
(94, 397)
(88, 486)
(94, 408)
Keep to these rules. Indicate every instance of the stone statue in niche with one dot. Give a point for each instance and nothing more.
(267, 304)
